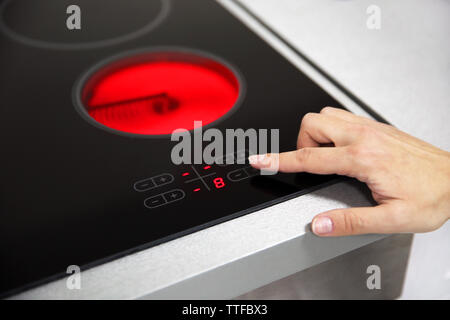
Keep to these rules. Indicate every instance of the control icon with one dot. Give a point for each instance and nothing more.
(174, 195)
(154, 202)
(237, 175)
(153, 182)
(163, 199)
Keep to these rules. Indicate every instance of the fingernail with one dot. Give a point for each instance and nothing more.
(322, 225)
(257, 158)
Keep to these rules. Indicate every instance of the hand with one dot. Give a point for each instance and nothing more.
(409, 179)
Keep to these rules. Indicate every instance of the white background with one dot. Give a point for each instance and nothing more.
(401, 70)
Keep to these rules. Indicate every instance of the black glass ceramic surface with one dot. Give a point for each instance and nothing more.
(73, 193)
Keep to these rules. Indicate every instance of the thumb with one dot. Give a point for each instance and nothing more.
(352, 221)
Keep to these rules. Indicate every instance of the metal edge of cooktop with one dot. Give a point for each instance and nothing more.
(256, 249)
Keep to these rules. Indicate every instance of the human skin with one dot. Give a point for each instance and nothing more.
(408, 178)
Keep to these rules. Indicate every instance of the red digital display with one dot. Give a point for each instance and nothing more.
(219, 183)
(157, 93)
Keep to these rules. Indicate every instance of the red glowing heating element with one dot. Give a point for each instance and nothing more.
(157, 93)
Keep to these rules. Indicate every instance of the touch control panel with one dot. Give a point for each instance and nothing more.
(167, 188)
(153, 182)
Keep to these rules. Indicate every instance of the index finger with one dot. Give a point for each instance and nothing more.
(325, 160)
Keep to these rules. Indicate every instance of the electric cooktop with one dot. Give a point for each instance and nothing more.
(86, 117)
